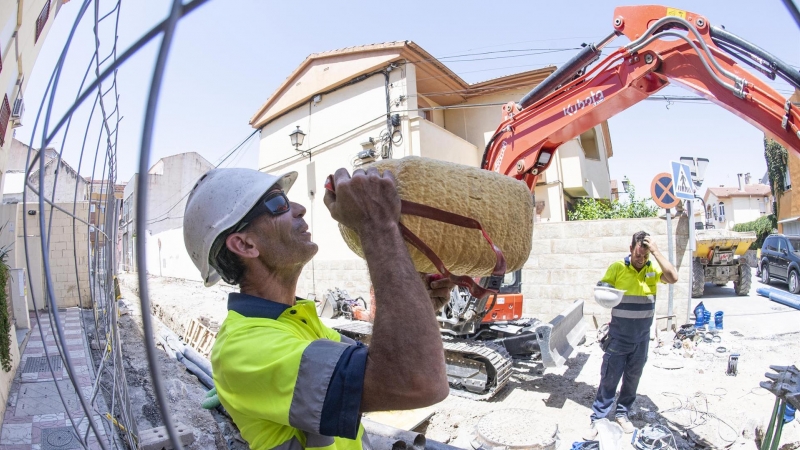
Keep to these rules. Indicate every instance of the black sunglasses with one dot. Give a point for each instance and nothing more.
(274, 202)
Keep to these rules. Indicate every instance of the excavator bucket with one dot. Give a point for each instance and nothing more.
(559, 337)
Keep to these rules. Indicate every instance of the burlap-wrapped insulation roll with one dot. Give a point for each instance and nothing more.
(503, 205)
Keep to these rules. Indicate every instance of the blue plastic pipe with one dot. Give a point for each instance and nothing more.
(785, 298)
(764, 291)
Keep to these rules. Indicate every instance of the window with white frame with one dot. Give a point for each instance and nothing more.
(721, 211)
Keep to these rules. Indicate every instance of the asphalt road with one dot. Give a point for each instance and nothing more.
(753, 314)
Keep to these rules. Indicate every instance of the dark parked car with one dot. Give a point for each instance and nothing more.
(780, 260)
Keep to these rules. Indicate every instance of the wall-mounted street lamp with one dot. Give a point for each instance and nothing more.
(625, 184)
(297, 136)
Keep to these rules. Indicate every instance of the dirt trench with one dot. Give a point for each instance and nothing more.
(183, 390)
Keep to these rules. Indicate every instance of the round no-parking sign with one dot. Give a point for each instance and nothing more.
(662, 191)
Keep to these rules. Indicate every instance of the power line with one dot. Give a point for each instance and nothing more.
(536, 40)
(514, 56)
(161, 217)
(508, 51)
(487, 58)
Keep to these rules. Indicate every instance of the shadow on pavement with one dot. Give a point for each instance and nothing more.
(529, 377)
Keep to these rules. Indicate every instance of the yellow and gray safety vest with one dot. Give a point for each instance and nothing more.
(632, 318)
(288, 381)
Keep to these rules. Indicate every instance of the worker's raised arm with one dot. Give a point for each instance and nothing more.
(405, 366)
(670, 274)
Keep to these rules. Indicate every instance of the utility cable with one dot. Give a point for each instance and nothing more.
(229, 154)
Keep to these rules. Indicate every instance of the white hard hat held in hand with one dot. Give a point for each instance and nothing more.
(219, 200)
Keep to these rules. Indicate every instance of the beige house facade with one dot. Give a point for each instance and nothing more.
(169, 181)
(395, 100)
(789, 210)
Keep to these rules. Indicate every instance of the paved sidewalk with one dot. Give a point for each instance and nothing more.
(36, 417)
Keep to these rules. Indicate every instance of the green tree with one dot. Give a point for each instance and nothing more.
(5, 320)
(597, 209)
(763, 226)
(777, 165)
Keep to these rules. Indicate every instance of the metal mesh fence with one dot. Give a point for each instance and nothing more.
(93, 223)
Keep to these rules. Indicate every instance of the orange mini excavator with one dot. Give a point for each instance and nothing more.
(482, 336)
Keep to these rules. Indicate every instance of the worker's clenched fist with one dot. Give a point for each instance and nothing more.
(438, 288)
(365, 200)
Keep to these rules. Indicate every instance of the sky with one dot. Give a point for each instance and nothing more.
(229, 56)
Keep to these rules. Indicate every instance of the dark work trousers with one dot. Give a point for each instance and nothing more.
(623, 360)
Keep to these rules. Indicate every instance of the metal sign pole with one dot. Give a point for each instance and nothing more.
(671, 256)
(690, 248)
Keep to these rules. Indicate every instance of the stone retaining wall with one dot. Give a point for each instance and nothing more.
(567, 260)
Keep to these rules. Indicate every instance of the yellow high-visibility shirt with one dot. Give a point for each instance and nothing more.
(632, 318)
(288, 381)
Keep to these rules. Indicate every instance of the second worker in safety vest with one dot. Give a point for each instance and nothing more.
(638, 274)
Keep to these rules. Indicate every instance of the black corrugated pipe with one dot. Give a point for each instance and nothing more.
(563, 74)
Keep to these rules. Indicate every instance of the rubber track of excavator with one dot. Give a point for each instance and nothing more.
(497, 356)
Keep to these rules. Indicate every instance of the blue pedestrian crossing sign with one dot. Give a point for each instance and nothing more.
(682, 183)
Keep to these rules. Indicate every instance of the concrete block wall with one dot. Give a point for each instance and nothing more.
(70, 286)
(350, 275)
(569, 258)
(566, 261)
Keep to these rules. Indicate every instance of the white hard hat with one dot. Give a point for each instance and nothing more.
(219, 200)
(608, 297)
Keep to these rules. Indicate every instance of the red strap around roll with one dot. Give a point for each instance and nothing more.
(429, 212)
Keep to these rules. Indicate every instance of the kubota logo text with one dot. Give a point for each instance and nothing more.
(593, 99)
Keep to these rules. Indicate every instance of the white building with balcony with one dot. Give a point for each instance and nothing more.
(727, 206)
(341, 99)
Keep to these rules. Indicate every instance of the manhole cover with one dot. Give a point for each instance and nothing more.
(59, 438)
(515, 429)
(39, 364)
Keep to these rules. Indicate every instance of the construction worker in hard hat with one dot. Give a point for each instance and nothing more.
(287, 380)
(626, 345)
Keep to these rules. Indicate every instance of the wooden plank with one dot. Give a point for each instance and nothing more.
(200, 337)
(404, 420)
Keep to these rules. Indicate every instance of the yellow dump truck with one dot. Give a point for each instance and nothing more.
(718, 259)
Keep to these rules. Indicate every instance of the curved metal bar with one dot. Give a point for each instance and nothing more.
(155, 31)
(141, 218)
(45, 241)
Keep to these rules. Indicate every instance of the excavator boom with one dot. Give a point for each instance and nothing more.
(667, 45)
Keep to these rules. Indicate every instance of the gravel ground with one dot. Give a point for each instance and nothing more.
(704, 407)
